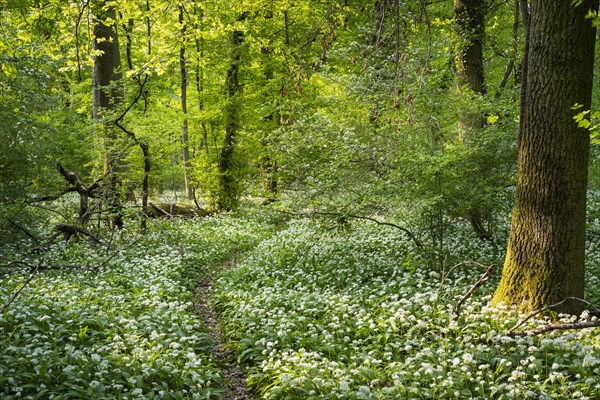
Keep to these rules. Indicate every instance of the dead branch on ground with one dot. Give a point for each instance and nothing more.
(476, 285)
(554, 326)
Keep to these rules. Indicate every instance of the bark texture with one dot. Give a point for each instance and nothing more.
(107, 94)
(545, 257)
(228, 190)
(470, 30)
(185, 151)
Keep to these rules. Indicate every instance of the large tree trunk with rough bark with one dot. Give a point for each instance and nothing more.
(545, 257)
(106, 92)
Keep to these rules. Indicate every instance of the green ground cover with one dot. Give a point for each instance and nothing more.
(126, 331)
(313, 311)
(316, 313)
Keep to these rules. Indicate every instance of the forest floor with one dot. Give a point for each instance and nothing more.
(312, 310)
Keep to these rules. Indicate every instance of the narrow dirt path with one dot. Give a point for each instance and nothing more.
(235, 379)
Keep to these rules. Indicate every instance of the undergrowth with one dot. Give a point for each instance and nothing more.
(125, 331)
(312, 312)
(317, 313)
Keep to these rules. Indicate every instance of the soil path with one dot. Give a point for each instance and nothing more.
(235, 379)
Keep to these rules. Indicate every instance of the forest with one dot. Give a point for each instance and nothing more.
(299, 199)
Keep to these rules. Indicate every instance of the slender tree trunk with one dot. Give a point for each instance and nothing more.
(199, 13)
(268, 167)
(145, 184)
(510, 67)
(106, 94)
(148, 28)
(545, 257)
(470, 29)
(185, 151)
(144, 146)
(129, 42)
(228, 192)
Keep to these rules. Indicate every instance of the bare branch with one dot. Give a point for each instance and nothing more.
(18, 292)
(408, 233)
(478, 284)
(558, 327)
(550, 327)
(71, 230)
(23, 229)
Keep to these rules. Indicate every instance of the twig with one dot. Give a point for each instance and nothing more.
(15, 262)
(77, 56)
(116, 252)
(22, 228)
(42, 267)
(110, 240)
(446, 274)
(558, 327)
(473, 288)
(553, 327)
(18, 292)
(411, 235)
(71, 230)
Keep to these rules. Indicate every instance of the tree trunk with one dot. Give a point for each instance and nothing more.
(545, 257)
(185, 151)
(470, 29)
(106, 92)
(129, 42)
(228, 191)
(199, 14)
(268, 166)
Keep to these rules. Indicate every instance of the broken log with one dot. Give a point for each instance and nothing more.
(175, 210)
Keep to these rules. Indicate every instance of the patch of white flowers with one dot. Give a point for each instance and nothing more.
(127, 331)
(352, 315)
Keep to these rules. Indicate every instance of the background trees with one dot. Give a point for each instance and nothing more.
(345, 107)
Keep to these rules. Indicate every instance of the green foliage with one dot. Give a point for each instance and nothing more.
(354, 103)
(38, 132)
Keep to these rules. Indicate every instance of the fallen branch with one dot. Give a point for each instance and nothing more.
(42, 267)
(408, 233)
(477, 285)
(558, 327)
(14, 263)
(77, 183)
(18, 292)
(554, 327)
(36, 268)
(69, 231)
(174, 210)
(52, 197)
(23, 229)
